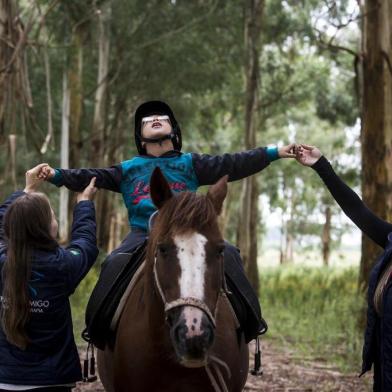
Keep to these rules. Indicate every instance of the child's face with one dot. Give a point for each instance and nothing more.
(155, 126)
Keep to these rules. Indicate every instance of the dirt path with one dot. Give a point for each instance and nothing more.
(283, 372)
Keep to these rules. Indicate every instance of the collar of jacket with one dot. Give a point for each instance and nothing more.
(167, 154)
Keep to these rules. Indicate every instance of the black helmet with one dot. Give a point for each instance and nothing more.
(156, 107)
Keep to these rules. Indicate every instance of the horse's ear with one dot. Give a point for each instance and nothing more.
(160, 190)
(217, 193)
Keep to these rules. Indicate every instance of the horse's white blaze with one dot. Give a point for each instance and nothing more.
(191, 254)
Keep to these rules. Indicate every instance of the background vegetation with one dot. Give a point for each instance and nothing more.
(238, 74)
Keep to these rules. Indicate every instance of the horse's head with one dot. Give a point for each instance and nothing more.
(187, 248)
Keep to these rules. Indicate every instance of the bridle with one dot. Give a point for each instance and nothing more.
(186, 301)
(217, 382)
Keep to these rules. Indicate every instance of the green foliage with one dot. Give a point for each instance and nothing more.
(314, 311)
(192, 55)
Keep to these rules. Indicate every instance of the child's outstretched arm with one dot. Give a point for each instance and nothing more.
(209, 169)
(351, 204)
(78, 179)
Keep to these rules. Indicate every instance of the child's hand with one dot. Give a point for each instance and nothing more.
(33, 180)
(46, 172)
(89, 191)
(307, 155)
(287, 151)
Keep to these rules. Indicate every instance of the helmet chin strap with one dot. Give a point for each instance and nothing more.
(159, 140)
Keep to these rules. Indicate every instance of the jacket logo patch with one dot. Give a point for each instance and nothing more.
(35, 277)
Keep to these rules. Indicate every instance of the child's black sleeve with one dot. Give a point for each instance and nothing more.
(209, 169)
(352, 205)
(77, 179)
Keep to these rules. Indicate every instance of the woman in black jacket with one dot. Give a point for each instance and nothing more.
(37, 347)
(377, 349)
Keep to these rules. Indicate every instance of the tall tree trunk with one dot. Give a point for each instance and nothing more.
(326, 236)
(64, 160)
(75, 91)
(3, 61)
(376, 132)
(99, 153)
(282, 256)
(247, 239)
(12, 161)
(15, 95)
(290, 235)
(75, 81)
(98, 129)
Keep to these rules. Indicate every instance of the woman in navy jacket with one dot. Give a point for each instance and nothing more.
(377, 349)
(37, 347)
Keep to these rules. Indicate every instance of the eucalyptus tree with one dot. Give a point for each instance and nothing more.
(376, 103)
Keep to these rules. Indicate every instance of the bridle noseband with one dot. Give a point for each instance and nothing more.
(187, 301)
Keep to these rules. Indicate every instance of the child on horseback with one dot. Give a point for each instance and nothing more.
(159, 141)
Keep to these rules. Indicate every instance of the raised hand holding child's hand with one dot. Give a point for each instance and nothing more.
(307, 155)
(33, 178)
(46, 172)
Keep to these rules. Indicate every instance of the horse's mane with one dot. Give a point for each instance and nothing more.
(187, 211)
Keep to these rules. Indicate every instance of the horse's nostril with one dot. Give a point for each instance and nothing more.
(180, 332)
(209, 334)
(172, 317)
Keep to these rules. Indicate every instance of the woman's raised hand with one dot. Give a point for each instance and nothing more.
(307, 155)
(287, 151)
(88, 192)
(46, 172)
(33, 178)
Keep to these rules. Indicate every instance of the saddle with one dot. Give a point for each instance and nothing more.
(116, 275)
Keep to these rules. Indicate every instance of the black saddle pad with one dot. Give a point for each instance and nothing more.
(118, 270)
(116, 273)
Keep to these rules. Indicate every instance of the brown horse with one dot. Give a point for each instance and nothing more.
(177, 331)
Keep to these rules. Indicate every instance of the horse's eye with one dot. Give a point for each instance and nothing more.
(220, 251)
(163, 249)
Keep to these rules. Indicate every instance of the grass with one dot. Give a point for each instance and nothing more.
(315, 311)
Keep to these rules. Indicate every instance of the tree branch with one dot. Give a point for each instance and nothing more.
(180, 29)
(23, 36)
(330, 45)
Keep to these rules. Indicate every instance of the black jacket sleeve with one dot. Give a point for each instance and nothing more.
(3, 209)
(209, 169)
(351, 204)
(77, 179)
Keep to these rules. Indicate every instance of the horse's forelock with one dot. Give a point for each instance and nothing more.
(186, 212)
